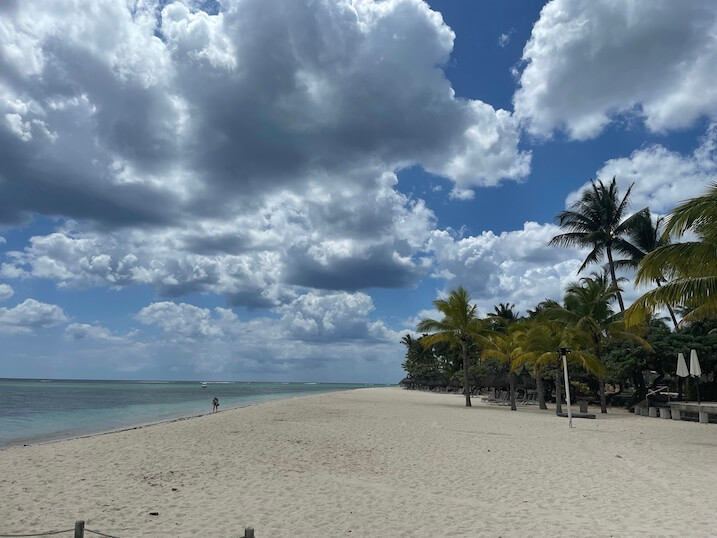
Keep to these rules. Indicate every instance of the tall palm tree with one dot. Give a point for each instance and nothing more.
(597, 221)
(459, 327)
(645, 237)
(507, 348)
(689, 267)
(588, 309)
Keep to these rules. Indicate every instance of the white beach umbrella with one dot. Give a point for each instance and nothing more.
(682, 366)
(695, 369)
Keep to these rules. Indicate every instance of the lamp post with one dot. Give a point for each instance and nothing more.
(564, 353)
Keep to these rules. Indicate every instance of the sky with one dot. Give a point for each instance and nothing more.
(277, 190)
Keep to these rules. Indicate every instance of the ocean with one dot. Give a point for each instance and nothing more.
(35, 410)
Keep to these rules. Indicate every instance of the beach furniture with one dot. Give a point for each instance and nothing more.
(577, 415)
(704, 410)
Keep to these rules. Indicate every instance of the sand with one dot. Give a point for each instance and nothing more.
(372, 462)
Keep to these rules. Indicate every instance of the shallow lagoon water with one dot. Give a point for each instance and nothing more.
(43, 410)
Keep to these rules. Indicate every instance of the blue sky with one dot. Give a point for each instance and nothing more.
(275, 190)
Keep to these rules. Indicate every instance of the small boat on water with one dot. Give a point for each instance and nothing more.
(204, 384)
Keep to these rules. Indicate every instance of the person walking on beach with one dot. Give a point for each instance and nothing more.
(215, 404)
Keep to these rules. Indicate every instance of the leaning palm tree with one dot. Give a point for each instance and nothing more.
(460, 327)
(597, 221)
(690, 268)
(645, 237)
(588, 309)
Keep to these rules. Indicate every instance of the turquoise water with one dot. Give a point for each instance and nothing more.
(42, 410)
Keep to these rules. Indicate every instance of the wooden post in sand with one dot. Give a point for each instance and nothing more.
(248, 532)
(79, 529)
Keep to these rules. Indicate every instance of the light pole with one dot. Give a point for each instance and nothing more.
(564, 352)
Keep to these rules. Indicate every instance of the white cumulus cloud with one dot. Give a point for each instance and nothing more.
(662, 178)
(6, 291)
(82, 331)
(329, 334)
(182, 321)
(30, 315)
(332, 316)
(589, 62)
(515, 266)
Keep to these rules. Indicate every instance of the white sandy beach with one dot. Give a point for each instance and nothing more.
(372, 462)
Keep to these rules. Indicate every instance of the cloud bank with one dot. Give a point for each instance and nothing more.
(276, 173)
(103, 117)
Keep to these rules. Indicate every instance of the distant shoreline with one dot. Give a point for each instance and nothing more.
(211, 382)
(78, 422)
(160, 422)
(23, 443)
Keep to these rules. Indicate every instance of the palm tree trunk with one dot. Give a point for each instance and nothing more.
(466, 391)
(669, 308)
(540, 388)
(603, 403)
(672, 315)
(512, 391)
(611, 263)
(558, 392)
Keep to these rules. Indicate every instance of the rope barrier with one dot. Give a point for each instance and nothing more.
(248, 533)
(100, 533)
(38, 534)
(49, 533)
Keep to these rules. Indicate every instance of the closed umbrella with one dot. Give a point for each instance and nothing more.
(695, 371)
(682, 366)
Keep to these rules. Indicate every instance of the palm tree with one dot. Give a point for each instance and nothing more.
(541, 307)
(543, 340)
(587, 308)
(502, 316)
(421, 364)
(459, 327)
(507, 348)
(504, 311)
(645, 237)
(597, 221)
(690, 268)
